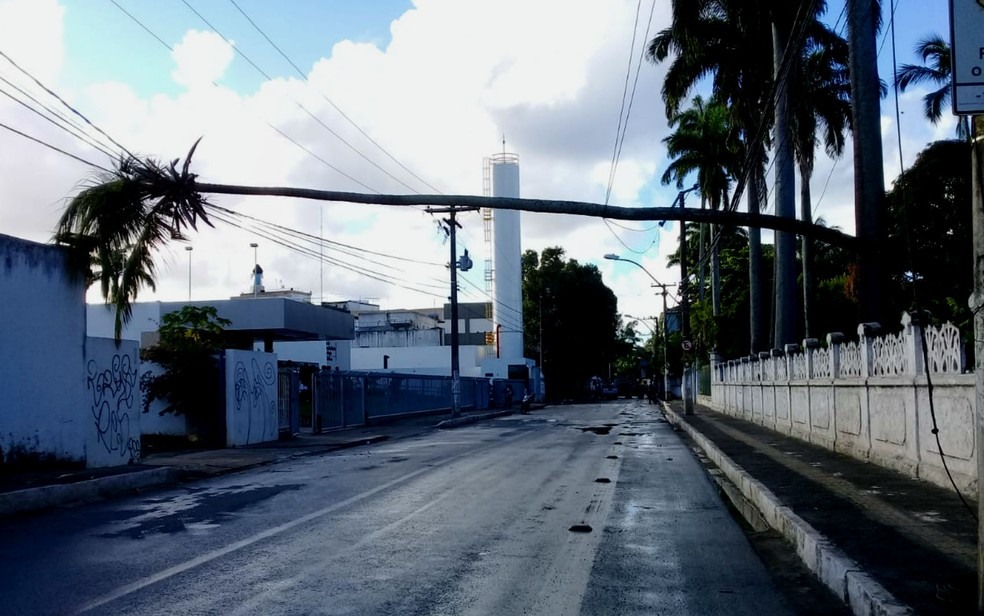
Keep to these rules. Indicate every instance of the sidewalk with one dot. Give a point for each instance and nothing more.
(880, 540)
(26, 492)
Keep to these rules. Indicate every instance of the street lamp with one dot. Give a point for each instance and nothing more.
(188, 249)
(256, 263)
(666, 361)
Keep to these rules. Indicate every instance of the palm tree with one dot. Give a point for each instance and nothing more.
(732, 41)
(115, 225)
(821, 113)
(706, 144)
(936, 70)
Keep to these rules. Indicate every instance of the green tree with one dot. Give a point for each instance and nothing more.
(704, 144)
(115, 225)
(579, 320)
(936, 70)
(731, 41)
(930, 233)
(189, 341)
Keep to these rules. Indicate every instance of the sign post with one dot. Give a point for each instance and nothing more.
(967, 45)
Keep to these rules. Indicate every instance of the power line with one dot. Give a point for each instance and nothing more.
(66, 105)
(304, 76)
(272, 127)
(625, 91)
(912, 257)
(314, 255)
(243, 55)
(81, 137)
(55, 148)
(622, 127)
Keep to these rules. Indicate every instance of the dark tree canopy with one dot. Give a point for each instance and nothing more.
(580, 321)
(929, 209)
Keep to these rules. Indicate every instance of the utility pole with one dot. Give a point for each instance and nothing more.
(869, 183)
(686, 386)
(976, 301)
(666, 346)
(451, 228)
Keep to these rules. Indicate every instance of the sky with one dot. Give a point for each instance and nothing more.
(436, 84)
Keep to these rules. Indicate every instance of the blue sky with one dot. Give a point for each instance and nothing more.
(105, 44)
(436, 82)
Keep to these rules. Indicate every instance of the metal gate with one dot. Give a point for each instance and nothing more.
(327, 400)
(288, 401)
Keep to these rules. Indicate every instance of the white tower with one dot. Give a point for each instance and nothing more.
(508, 304)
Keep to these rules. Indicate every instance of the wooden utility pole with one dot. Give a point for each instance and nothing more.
(452, 226)
(869, 182)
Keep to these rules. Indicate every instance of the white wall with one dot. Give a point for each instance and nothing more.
(251, 398)
(314, 352)
(152, 422)
(114, 402)
(868, 399)
(421, 360)
(101, 320)
(42, 342)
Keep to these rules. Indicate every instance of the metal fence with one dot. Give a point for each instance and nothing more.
(288, 401)
(349, 398)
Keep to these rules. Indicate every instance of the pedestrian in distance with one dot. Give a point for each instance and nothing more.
(508, 393)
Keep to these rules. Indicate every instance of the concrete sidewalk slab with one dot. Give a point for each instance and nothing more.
(884, 542)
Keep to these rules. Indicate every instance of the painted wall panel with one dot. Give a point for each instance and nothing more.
(42, 340)
(113, 400)
(251, 397)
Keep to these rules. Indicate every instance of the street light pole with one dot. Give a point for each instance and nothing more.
(656, 283)
(256, 263)
(188, 249)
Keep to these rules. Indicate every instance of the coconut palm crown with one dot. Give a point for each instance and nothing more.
(115, 225)
(936, 70)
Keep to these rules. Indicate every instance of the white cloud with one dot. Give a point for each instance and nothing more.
(456, 76)
(201, 58)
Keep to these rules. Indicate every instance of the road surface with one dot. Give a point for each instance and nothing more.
(588, 509)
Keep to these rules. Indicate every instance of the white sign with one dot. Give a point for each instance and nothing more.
(967, 43)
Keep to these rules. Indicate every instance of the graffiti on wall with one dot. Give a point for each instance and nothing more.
(113, 390)
(253, 399)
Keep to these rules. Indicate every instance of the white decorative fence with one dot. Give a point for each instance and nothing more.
(869, 398)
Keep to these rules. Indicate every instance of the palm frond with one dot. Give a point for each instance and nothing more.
(118, 221)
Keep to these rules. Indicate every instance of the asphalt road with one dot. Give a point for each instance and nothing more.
(592, 509)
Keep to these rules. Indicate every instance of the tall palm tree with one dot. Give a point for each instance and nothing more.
(115, 225)
(935, 70)
(821, 113)
(706, 144)
(730, 40)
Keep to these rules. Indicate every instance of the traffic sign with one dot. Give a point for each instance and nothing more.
(687, 345)
(967, 45)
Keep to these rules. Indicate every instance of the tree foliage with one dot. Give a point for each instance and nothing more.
(114, 226)
(930, 233)
(578, 316)
(190, 339)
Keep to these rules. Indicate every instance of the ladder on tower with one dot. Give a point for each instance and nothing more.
(487, 223)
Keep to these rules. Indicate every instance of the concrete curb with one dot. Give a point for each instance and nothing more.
(463, 421)
(864, 595)
(46, 497)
